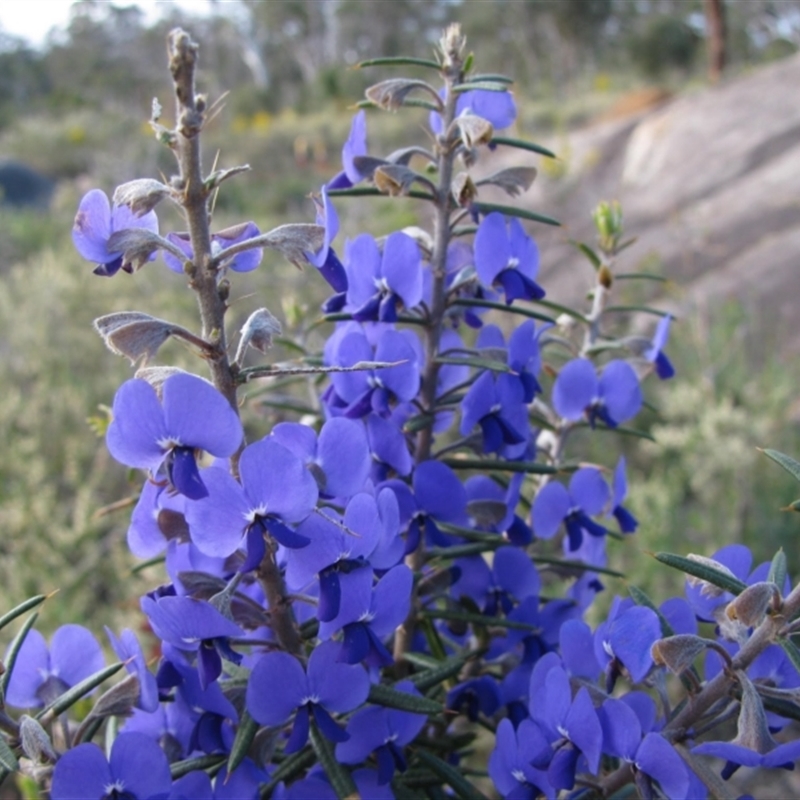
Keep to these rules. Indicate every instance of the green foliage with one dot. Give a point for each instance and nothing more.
(666, 44)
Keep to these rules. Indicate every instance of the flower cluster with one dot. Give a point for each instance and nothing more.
(363, 586)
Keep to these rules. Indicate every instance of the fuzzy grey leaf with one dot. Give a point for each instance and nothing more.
(512, 181)
(391, 93)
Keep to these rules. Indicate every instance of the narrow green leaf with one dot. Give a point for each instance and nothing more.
(588, 252)
(181, 768)
(531, 467)
(485, 86)
(582, 566)
(432, 637)
(476, 362)
(371, 191)
(791, 650)
(648, 276)
(435, 675)
(339, 776)
(13, 651)
(785, 708)
(450, 775)
(623, 429)
(559, 309)
(463, 550)
(290, 768)
(10, 616)
(778, 569)
(399, 61)
(245, 735)
(386, 696)
(477, 619)
(496, 77)
(642, 310)
(513, 211)
(8, 761)
(79, 690)
(151, 562)
(787, 462)
(702, 571)
(521, 144)
(522, 311)
(345, 317)
(418, 423)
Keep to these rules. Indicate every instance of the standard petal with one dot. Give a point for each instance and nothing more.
(81, 773)
(343, 454)
(478, 402)
(184, 621)
(92, 227)
(137, 434)
(491, 247)
(403, 380)
(30, 670)
(589, 490)
(276, 481)
(575, 388)
(217, 523)
(140, 765)
(401, 268)
(276, 687)
(339, 687)
(199, 416)
(439, 492)
(657, 758)
(362, 260)
(75, 654)
(551, 504)
(516, 572)
(620, 390)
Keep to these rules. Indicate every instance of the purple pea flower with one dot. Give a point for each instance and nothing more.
(171, 725)
(94, 225)
(619, 491)
(157, 519)
(439, 496)
(275, 489)
(587, 495)
(614, 397)
(498, 108)
(569, 724)
(384, 732)
(493, 508)
(41, 674)
(505, 255)
(245, 261)
(136, 769)
(355, 394)
(190, 624)
(326, 260)
(624, 640)
(377, 284)
(498, 406)
(338, 458)
(326, 686)
(474, 697)
(128, 649)
(655, 352)
(512, 577)
(517, 765)
(649, 753)
(374, 620)
(151, 434)
(354, 146)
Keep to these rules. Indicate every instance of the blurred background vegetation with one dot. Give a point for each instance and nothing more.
(76, 111)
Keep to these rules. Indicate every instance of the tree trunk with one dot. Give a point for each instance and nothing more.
(715, 27)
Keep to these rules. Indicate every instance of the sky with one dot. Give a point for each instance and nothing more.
(33, 19)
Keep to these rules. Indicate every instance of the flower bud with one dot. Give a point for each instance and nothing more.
(677, 653)
(257, 332)
(35, 742)
(137, 245)
(751, 606)
(463, 189)
(141, 195)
